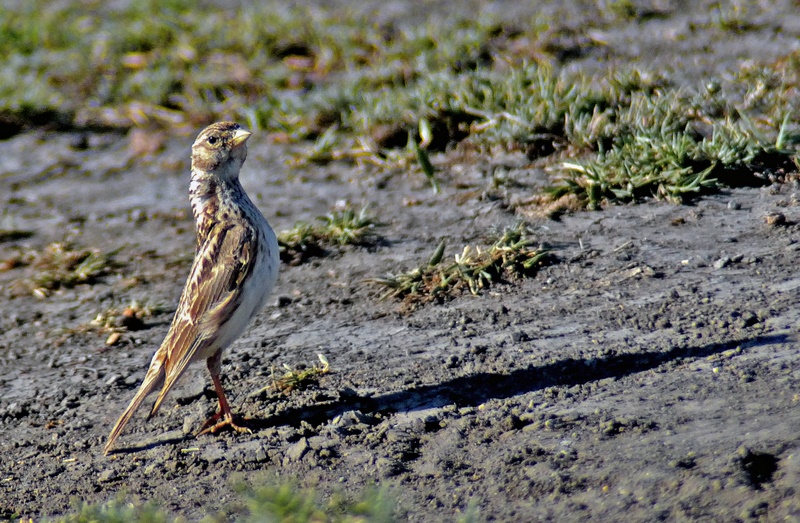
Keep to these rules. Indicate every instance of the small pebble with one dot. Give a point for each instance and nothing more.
(106, 475)
(297, 450)
(775, 219)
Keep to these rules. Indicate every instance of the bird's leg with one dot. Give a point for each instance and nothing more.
(213, 424)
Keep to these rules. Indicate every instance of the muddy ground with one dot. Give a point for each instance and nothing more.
(652, 374)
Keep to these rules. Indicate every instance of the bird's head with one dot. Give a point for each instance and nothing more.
(220, 150)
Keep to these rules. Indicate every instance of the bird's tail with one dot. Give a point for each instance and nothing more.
(152, 381)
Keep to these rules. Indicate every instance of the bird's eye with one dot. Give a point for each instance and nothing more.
(212, 140)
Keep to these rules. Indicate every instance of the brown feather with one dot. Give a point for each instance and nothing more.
(152, 381)
(213, 294)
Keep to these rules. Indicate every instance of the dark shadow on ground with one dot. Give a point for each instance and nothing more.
(476, 389)
(170, 438)
(473, 390)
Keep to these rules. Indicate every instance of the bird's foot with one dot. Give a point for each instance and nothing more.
(212, 425)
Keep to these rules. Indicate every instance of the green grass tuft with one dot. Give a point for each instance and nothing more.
(60, 265)
(117, 511)
(283, 502)
(337, 229)
(654, 151)
(294, 379)
(511, 256)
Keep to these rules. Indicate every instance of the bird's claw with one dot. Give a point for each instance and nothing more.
(212, 425)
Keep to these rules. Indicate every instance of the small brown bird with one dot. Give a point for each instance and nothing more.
(235, 268)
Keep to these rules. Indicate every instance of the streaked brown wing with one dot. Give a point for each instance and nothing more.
(221, 264)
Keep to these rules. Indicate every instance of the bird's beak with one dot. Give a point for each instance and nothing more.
(239, 137)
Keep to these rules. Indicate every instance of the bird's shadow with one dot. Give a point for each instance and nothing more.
(170, 438)
(475, 389)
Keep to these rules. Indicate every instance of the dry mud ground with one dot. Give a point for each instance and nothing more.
(652, 374)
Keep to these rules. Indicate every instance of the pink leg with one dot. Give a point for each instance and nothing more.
(212, 425)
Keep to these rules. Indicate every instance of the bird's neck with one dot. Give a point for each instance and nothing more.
(213, 201)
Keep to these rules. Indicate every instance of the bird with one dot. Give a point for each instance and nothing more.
(234, 270)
